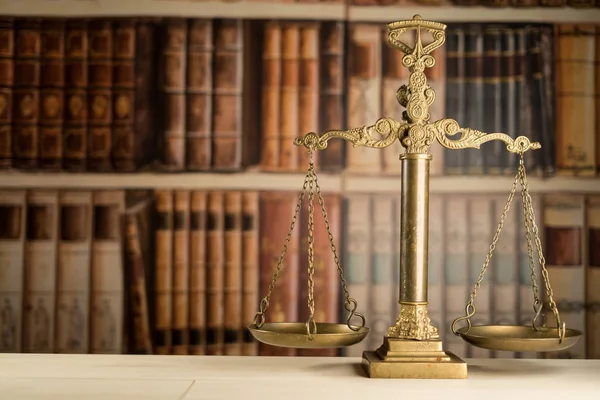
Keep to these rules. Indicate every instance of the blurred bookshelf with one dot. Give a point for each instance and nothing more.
(148, 176)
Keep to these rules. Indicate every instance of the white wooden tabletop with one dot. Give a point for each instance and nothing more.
(120, 377)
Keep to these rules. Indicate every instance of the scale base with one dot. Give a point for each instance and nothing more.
(412, 359)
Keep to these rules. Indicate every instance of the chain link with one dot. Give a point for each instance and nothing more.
(530, 229)
(531, 220)
(311, 185)
(259, 318)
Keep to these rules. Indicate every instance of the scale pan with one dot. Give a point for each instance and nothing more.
(518, 338)
(293, 334)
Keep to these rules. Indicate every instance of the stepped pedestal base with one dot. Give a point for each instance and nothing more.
(412, 359)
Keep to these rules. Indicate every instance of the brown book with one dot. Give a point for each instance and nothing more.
(7, 73)
(123, 99)
(137, 263)
(197, 286)
(13, 205)
(199, 99)
(26, 93)
(592, 277)
(173, 88)
(271, 96)
(100, 93)
(598, 97)
(250, 267)
(227, 101)
(575, 136)
(163, 271)
(564, 225)
(52, 102)
(276, 209)
(215, 265)
(308, 107)
(40, 266)
(74, 139)
(74, 273)
(232, 277)
(326, 280)
(107, 273)
(181, 272)
(288, 123)
(332, 86)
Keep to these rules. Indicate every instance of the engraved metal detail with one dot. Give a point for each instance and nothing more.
(413, 323)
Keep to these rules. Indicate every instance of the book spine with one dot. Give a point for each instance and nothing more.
(309, 104)
(332, 78)
(52, 101)
(492, 108)
(7, 75)
(505, 264)
(100, 94)
(480, 233)
(564, 218)
(199, 92)
(277, 206)
(12, 253)
(107, 273)
(163, 270)
(74, 273)
(474, 94)
(251, 267)
(454, 163)
(40, 271)
(593, 278)
(357, 259)
(74, 138)
(123, 140)
(215, 266)
(575, 136)
(139, 332)
(181, 272)
(382, 291)
(508, 95)
(198, 252)
(174, 69)
(457, 289)
(227, 102)
(271, 96)
(290, 96)
(26, 94)
(232, 280)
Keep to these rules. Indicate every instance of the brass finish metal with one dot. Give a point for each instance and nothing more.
(519, 338)
(312, 333)
(293, 334)
(412, 347)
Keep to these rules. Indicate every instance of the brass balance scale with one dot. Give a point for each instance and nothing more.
(412, 347)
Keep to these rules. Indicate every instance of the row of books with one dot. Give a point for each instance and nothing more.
(183, 271)
(195, 94)
(484, 3)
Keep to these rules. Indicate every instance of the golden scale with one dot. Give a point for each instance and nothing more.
(412, 347)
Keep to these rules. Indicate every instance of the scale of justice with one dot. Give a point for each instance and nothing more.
(412, 347)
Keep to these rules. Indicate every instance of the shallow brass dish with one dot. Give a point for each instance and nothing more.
(518, 338)
(293, 334)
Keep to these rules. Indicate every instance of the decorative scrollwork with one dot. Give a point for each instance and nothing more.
(379, 135)
(473, 138)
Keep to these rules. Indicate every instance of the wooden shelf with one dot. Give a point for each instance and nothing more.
(256, 9)
(474, 184)
(447, 14)
(341, 183)
(173, 8)
(196, 180)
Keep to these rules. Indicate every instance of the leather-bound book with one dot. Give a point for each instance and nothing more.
(7, 74)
